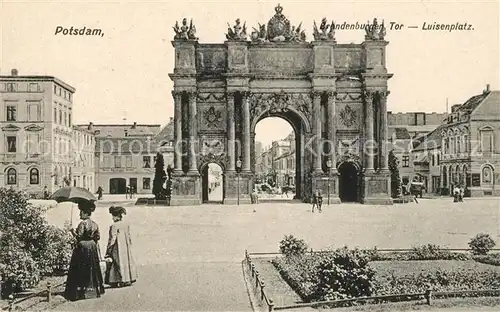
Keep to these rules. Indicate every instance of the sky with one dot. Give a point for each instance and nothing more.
(123, 75)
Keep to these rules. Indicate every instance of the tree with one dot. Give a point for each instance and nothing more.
(395, 178)
(160, 177)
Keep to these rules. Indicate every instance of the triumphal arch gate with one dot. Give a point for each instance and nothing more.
(333, 95)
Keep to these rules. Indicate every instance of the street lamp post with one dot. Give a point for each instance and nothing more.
(238, 169)
(328, 167)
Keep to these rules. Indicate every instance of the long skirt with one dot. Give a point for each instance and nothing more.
(122, 271)
(84, 276)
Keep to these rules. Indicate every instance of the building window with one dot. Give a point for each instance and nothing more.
(65, 119)
(55, 115)
(146, 183)
(33, 87)
(11, 113)
(69, 119)
(118, 161)
(60, 117)
(146, 160)
(33, 143)
(487, 174)
(437, 162)
(33, 112)
(128, 160)
(55, 89)
(11, 87)
(466, 143)
(34, 176)
(406, 161)
(11, 144)
(487, 140)
(59, 92)
(11, 176)
(69, 97)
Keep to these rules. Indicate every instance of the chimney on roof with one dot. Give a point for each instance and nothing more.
(487, 88)
(134, 125)
(171, 119)
(14, 72)
(455, 107)
(91, 125)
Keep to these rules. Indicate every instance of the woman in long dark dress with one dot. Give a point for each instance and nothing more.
(85, 278)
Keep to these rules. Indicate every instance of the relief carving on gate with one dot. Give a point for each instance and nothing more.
(212, 113)
(349, 116)
(377, 187)
(212, 151)
(280, 102)
(348, 145)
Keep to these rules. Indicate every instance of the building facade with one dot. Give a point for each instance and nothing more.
(125, 155)
(36, 123)
(470, 146)
(83, 170)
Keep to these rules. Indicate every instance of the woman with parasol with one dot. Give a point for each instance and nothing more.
(120, 267)
(85, 278)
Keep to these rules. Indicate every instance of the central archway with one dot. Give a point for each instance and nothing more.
(212, 183)
(348, 182)
(293, 169)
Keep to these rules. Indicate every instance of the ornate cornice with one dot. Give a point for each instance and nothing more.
(368, 94)
(33, 128)
(348, 96)
(11, 127)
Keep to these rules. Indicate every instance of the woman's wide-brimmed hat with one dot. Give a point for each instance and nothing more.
(117, 210)
(87, 206)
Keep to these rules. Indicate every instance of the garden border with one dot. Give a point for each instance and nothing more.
(47, 292)
(258, 287)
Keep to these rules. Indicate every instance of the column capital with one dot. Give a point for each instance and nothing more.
(316, 93)
(368, 94)
(384, 94)
(229, 95)
(246, 93)
(331, 94)
(176, 93)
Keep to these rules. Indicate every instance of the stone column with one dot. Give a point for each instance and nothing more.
(230, 132)
(369, 131)
(177, 131)
(193, 167)
(384, 131)
(318, 151)
(246, 140)
(332, 130)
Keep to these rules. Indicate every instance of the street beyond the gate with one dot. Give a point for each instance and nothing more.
(189, 258)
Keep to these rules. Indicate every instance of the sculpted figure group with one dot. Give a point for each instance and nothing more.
(279, 29)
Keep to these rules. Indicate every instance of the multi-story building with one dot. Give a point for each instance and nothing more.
(405, 132)
(36, 122)
(82, 173)
(125, 155)
(470, 146)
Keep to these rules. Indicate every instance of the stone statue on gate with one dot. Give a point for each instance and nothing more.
(325, 32)
(374, 31)
(278, 29)
(259, 35)
(238, 33)
(185, 32)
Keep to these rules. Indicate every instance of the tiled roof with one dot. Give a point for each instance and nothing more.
(473, 102)
(431, 140)
(399, 133)
(167, 133)
(118, 131)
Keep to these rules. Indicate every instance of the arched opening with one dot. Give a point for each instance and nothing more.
(277, 162)
(117, 186)
(445, 181)
(11, 176)
(348, 182)
(212, 183)
(34, 176)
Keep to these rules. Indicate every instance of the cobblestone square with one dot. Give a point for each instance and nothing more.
(190, 257)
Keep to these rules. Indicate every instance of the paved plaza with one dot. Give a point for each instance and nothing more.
(189, 258)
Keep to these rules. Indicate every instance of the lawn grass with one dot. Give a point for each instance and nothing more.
(395, 277)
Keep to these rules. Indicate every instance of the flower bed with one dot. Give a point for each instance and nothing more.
(399, 272)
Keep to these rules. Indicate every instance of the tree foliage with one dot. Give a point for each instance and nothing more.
(395, 178)
(29, 247)
(160, 176)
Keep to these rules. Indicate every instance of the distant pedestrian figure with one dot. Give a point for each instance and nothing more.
(317, 200)
(461, 194)
(120, 264)
(132, 190)
(254, 197)
(127, 191)
(99, 193)
(456, 194)
(46, 193)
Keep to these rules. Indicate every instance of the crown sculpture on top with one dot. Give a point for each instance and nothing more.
(185, 32)
(278, 29)
(237, 33)
(374, 31)
(326, 32)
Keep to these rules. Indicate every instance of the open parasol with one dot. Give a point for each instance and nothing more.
(73, 194)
